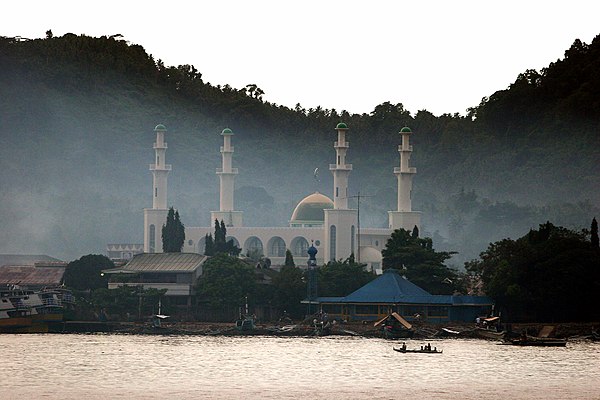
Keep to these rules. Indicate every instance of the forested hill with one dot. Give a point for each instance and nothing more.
(77, 115)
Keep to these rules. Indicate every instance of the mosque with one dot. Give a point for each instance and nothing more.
(329, 225)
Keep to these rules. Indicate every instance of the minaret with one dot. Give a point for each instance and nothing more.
(155, 217)
(404, 217)
(340, 222)
(226, 175)
(340, 169)
(160, 170)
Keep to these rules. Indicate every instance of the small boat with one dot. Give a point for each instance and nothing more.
(424, 351)
(533, 341)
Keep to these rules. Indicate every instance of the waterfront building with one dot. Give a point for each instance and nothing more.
(175, 272)
(391, 292)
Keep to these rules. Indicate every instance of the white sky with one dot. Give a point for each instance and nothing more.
(443, 56)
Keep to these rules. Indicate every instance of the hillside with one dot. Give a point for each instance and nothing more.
(76, 121)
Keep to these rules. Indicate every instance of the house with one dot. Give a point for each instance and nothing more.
(175, 272)
(391, 292)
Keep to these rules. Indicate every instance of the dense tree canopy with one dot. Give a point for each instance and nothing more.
(419, 262)
(226, 281)
(550, 274)
(86, 272)
(509, 152)
(340, 278)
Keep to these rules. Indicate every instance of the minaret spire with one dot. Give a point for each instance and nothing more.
(404, 216)
(155, 217)
(160, 170)
(340, 169)
(227, 175)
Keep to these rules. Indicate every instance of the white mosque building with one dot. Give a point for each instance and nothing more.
(331, 226)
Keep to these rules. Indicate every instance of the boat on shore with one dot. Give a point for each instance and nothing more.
(534, 341)
(28, 311)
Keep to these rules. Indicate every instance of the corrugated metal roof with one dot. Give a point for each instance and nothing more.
(160, 262)
(31, 276)
(391, 288)
(25, 259)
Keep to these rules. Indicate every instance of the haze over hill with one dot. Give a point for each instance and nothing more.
(77, 115)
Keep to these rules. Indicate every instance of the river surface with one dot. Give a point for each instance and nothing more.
(109, 366)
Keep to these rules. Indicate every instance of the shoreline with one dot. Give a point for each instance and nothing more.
(562, 330)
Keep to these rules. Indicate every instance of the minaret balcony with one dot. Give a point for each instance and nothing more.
(343, 145)
(160, 146)
(232, 172)
(344, 167)
(229, 150)
(166, 167)
(410, 170)
(405, 148)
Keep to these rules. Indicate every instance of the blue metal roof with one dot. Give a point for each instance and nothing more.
(391, 288)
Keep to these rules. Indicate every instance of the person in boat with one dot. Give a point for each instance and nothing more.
(403, 345)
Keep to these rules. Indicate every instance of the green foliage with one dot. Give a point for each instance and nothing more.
(221, 244)
(173, 233)
(420, 263)
(594, 234)
(78, 90)
(550, 274)
(226, 281)
(129, 300)
(289, 259)
(289, 290)
(340, 278)
(85, 273)
(209, 247)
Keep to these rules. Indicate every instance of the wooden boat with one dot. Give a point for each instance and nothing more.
(533, 341)
(424, 351)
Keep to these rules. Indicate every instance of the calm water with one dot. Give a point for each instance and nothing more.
(186, 367)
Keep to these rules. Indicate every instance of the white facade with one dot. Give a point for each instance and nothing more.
(327, 224)
(404, 217)
(155, 217)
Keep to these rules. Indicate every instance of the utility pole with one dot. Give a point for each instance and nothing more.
(358, 197)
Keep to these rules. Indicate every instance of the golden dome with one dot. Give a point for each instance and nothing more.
(310, 209)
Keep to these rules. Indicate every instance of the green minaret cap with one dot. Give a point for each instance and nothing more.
(227, 131)
(341, 125)
(160, 127)
(406, 129)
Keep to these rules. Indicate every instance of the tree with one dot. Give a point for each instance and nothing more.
(209, 246)
(594, 232)
(86, 273)
(221, 244)
(226, 281)
(173, 233)
(289, 259)
(420, 263)
(340, 278)
(550, 274)
(290, 289)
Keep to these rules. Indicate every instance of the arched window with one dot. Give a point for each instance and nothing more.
(352, 234)
(299, 247)
(332, 243)
(253, 246)
(276, 247)
(235, 241)
(152, 238)
(201, 245)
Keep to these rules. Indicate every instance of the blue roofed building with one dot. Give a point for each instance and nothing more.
(391, 292)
